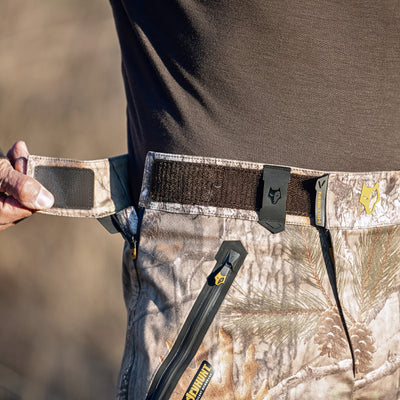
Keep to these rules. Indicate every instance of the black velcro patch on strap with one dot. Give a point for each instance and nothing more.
(205, 184)
(224, 186)
(72, 188)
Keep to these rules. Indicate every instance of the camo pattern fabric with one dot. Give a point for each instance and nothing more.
(363, 200)
(302, 320)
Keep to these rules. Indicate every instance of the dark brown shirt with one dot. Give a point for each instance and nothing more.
(312, 84)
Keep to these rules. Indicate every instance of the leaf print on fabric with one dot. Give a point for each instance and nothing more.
(368, 267)
(303, 248)
(280, 317)
(267, 315)
(377, 258)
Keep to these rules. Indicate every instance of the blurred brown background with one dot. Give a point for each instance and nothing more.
(61, 309)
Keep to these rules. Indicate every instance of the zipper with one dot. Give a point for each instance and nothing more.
(230, 257)
(128, 225)
(131, 239)
(326, 244)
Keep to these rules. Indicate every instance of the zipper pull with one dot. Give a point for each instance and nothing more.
(222, 272)
(221, 276)
(129, 230)
(228, 256)
(133, 244)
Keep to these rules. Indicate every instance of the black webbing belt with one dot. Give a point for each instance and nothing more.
(224, 186)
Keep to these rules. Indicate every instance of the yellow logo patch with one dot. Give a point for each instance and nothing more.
(219, 279)
(200, 382)
(370, 197)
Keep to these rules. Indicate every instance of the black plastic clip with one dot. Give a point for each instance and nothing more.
(273, 211)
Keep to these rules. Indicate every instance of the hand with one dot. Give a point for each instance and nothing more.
(20, 195)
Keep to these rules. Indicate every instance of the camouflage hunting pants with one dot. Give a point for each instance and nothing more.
(312, 312)
(221, 308)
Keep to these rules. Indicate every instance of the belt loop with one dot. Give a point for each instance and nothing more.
(321, 188)
(273, 211)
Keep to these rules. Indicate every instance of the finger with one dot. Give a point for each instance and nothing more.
(18, 156)
(29, 192)
(11, 212)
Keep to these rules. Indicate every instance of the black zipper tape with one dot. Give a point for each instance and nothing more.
(230, 257)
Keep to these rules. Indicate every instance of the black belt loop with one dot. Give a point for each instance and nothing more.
(273, 211)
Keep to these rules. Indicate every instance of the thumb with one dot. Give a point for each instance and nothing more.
(29, 192)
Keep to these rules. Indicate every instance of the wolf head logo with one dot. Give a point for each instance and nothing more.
(370, 197)
(274, 195)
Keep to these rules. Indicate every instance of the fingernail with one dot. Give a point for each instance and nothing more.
(44, 199)
(23, 146)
